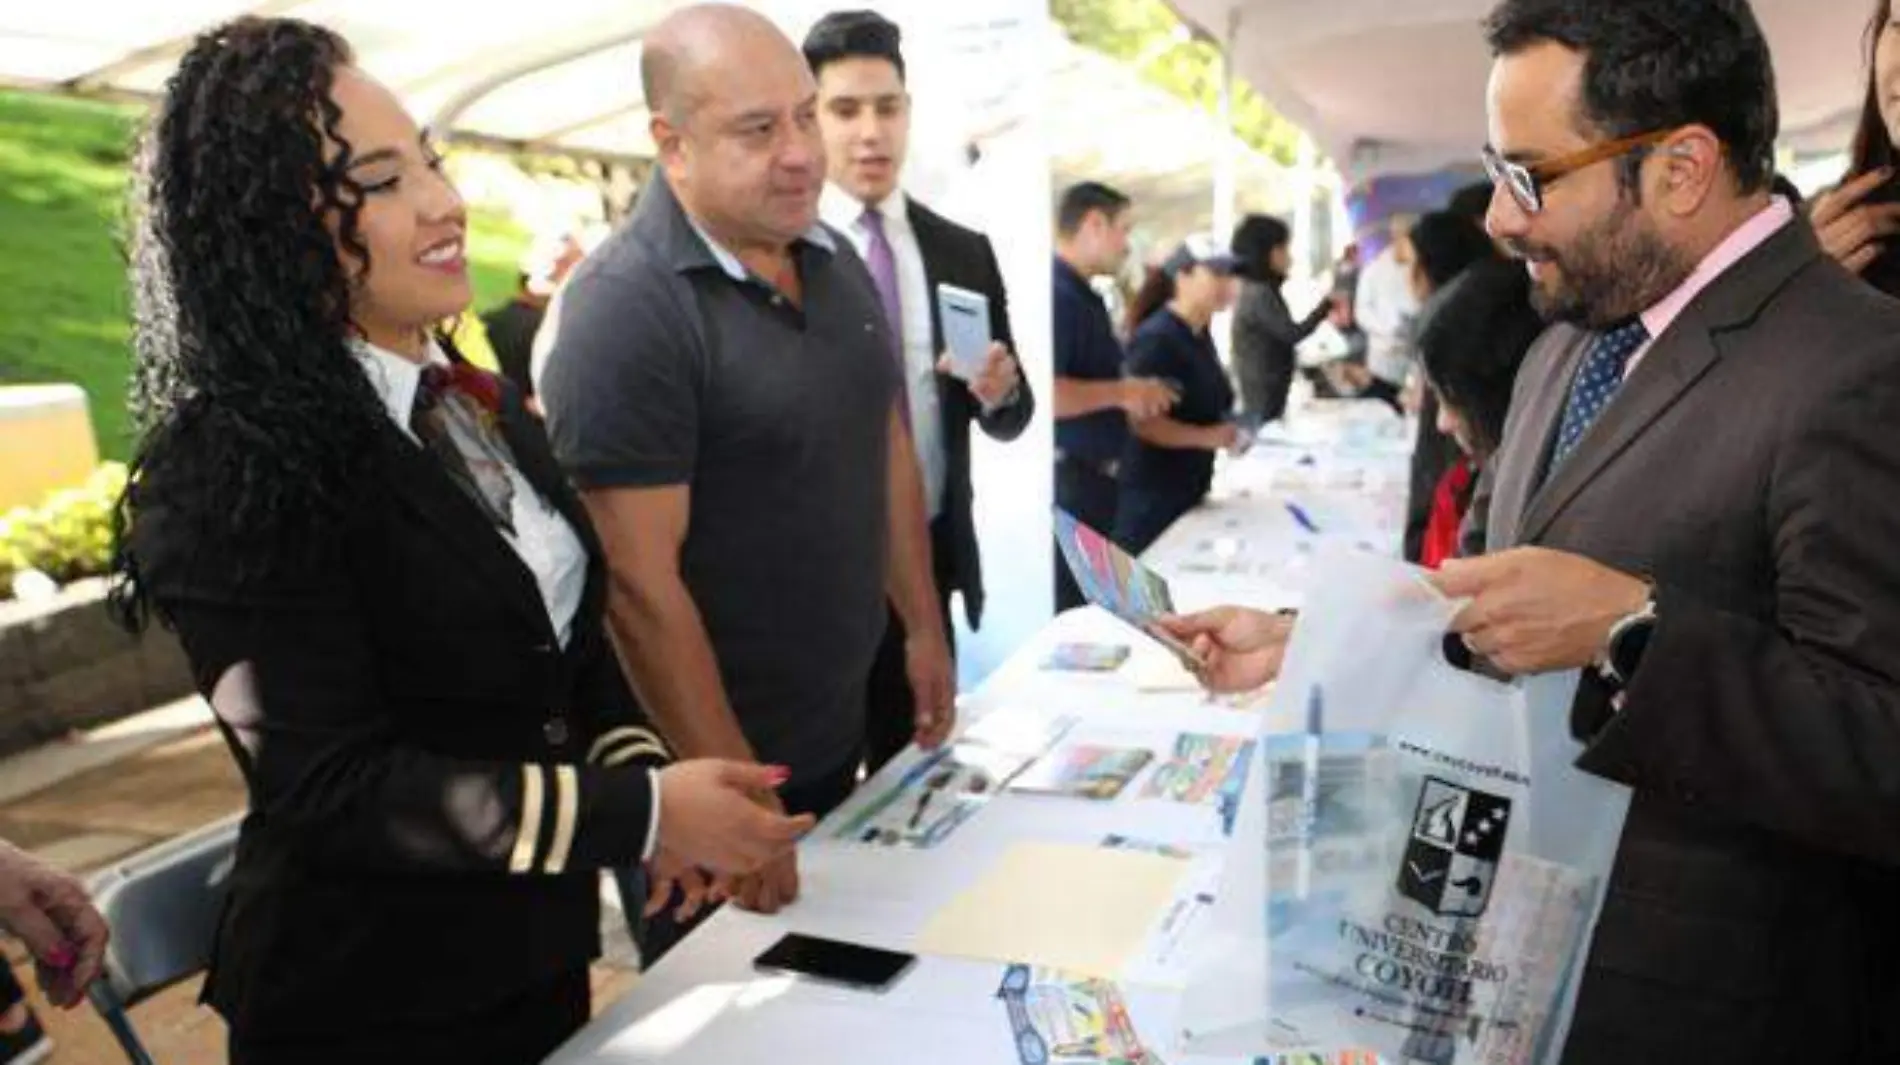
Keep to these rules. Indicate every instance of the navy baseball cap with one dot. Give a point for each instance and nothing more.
(1201, 249)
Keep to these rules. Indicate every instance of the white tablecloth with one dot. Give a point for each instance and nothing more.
(705, 1003)
(1340, 473)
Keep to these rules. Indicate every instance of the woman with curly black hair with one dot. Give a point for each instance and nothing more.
(388, 595)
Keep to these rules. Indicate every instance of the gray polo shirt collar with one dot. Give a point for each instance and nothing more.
(687, 246)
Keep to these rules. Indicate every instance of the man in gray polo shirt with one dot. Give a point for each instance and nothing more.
(721, 388)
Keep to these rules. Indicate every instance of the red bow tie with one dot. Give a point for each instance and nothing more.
(475, 383)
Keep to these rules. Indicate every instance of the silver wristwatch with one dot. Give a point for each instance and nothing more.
(1623, 651)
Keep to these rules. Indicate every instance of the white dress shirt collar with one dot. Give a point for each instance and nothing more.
(845, 211)
(396, 377)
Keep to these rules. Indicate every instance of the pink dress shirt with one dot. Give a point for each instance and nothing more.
(1750, 235)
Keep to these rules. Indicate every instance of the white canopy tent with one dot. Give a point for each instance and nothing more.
(1397, 86)
(1117, 128)
(562, 75)
(559, 74)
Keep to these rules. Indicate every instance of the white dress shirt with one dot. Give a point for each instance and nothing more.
(543, 539)
(846, 213)
(1385, 309)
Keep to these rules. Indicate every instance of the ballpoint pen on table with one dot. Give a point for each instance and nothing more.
(1300, 515)
(923, 802)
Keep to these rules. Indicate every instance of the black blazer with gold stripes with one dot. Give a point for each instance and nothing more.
(433, 780)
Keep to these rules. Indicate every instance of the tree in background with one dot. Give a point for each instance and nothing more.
(63, 314)
(1148, 32)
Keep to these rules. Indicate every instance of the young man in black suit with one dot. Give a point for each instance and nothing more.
(864, 113)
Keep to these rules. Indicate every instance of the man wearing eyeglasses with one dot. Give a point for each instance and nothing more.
(1697, 502)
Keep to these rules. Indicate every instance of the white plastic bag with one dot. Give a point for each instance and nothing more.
(1433, 862)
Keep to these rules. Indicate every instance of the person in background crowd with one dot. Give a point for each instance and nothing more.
(66, 937)
(1735, 620)
(1858, 221)
(1094, 399)
(1169, 463)
(1472, 203)
(1346, 274)
(722, 387)
(385, 590)
(1329, 379)
(864, 111)
(1444, 243)
(1386, 309)
(1471, 347)
(512, 326)
(1266, 335)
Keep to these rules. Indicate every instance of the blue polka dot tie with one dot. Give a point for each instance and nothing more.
(1597, 381)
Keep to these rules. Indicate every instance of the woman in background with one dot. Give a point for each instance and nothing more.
(385, 589)
(1265, 333)
(1471, 350)
(1170, 458)
(63, 932)
(1858, 220)
(1444, 245)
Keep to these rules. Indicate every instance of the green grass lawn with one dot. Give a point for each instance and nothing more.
(63, 300)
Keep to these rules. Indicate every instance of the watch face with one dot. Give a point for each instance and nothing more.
(1626, 650)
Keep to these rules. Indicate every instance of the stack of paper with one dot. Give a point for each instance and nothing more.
(1084, 910)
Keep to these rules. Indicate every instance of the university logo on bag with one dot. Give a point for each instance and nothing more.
(1452, 855)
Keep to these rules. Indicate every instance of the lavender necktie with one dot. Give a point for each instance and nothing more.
(883, 264)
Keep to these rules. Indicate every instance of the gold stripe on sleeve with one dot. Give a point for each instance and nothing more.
(528, 834)
(567, 804)
(614, 737)
(632, 751)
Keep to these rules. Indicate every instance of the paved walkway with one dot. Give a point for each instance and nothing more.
(102, 795)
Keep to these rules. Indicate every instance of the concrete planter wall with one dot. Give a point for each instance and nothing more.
(64, 665)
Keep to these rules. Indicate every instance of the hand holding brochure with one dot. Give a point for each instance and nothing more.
(1111, 579)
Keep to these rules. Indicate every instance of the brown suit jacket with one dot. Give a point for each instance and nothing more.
(1751, 468)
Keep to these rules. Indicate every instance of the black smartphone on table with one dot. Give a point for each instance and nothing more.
(834, 962)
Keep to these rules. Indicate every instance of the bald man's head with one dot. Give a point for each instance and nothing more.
(735, 119)
(679, 53)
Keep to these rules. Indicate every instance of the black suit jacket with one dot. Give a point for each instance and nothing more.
(1751, 467)
(433, 781)
(964, 258)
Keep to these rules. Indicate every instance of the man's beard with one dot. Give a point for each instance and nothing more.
(1610, 274)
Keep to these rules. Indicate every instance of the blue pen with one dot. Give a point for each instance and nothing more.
(1301, 516)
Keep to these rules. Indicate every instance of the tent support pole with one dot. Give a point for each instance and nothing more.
(1306, 207)
(1225, 163)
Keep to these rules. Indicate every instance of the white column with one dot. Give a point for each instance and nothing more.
(1342, 219)
(1305, 205)
(1225, 162)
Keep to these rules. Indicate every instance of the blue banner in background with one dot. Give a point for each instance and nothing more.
(1370, 205)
